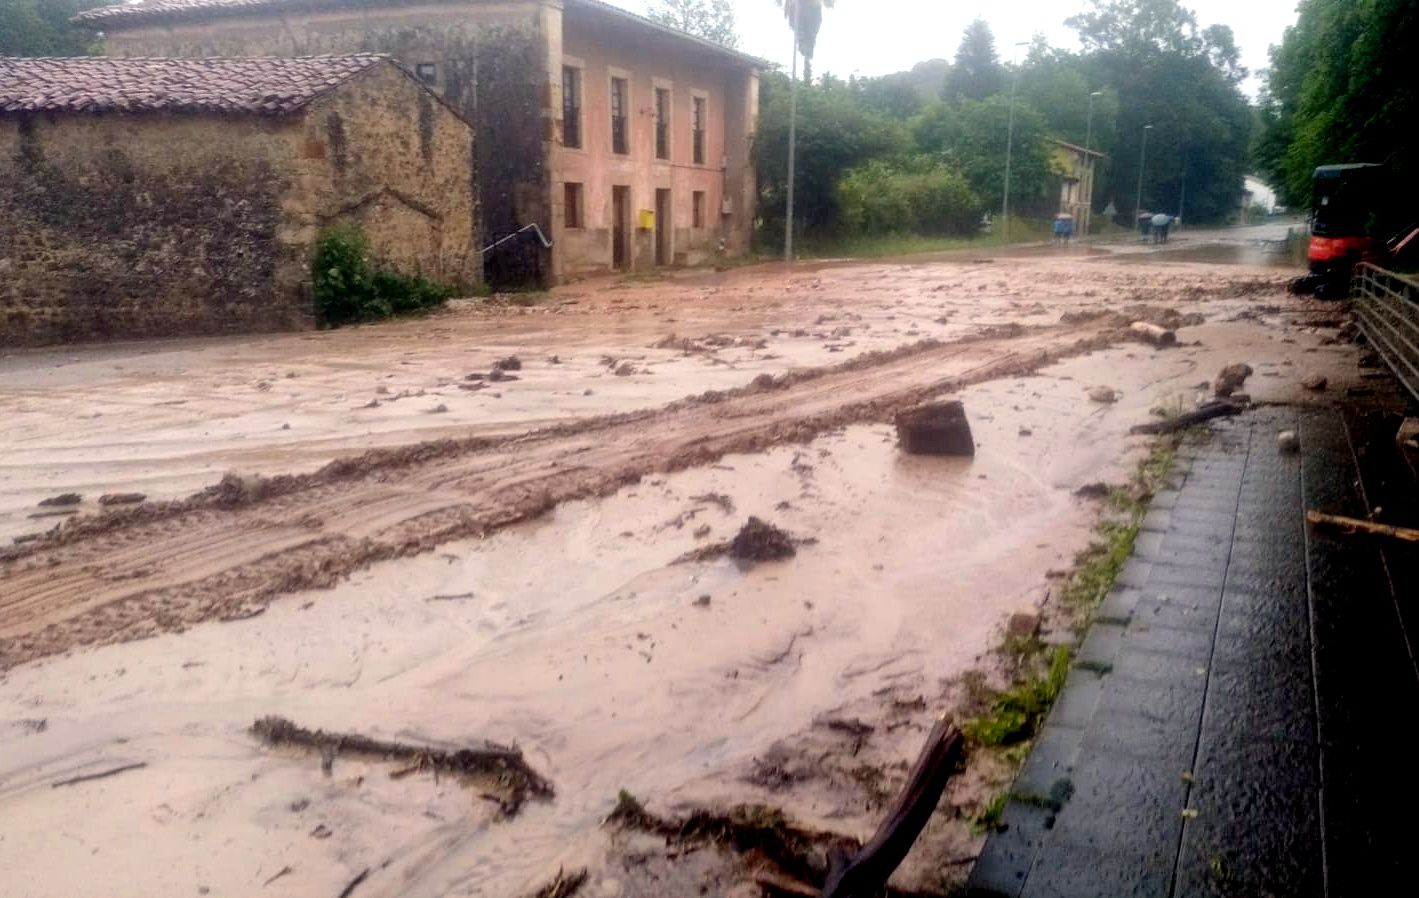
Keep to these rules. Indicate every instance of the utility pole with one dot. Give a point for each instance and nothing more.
(1182, 196)
(1010, 141)
(1142, 157)
(1089, 158)
(792, 138)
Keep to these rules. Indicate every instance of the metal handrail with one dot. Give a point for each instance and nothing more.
(546, 244)
(1387, 310)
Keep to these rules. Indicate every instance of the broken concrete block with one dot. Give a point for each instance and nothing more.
(1231, 379)
(937, 428)
(1287, 442)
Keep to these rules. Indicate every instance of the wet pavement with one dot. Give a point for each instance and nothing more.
(1234, 722)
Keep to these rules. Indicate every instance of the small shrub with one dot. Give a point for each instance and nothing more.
(1016, 715)
(918, 195)
(349, 287)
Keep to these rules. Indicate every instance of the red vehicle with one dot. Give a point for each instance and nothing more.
(1343, 222)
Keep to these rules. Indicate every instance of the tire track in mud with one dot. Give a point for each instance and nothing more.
(227, 551)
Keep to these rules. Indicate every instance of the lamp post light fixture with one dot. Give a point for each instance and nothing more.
(1142, 157)
(1010, 139)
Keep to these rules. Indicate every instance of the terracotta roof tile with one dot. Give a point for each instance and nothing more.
(266, 85)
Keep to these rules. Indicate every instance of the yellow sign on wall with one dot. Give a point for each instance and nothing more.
(647, 220)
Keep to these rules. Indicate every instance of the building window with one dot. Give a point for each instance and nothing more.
(698, 209)
(620, 140)
(698, 123)
(662, 123)
(572, 204)
(427, 72)
(571, 107)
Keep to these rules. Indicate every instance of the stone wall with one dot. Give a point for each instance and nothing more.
(390, 156)
(157, 225)
(489, 61)
(143, 226)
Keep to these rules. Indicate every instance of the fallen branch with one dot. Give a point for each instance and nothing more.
(867, 872)
(1182, 422)
(98, 776)
(504, 765)
(1354, 526)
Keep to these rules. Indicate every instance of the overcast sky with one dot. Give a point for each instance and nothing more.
(875, 37)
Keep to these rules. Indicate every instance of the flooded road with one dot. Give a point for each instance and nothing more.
(554, 610)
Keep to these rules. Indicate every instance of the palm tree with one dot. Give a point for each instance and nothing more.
(805, 17)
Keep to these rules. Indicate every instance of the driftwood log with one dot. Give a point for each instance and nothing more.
(866, 872)
(1365, 528)
(1152, 333)
(502, 765)
(1183, 422)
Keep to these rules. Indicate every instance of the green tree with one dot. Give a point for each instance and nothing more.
(977, 72)
(41, 28)
(973, 134)
(836, 132)
(1182, 80)
(712, 20)
(1340, 89)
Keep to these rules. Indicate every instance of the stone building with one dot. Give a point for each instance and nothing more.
(158, 197)
(625, 142)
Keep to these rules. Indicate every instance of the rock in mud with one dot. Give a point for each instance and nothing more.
(1023, 624)
(702, 602)
(1096, 490)
(511, 363)
(759, 540)
(1315, 383)
(1104, 395)
(1231, 378)
(626, 369)
(61, 500)
(1287, 442)
(121, 498)
(937, 428)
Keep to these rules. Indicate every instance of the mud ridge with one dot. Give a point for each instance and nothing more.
(237, 547)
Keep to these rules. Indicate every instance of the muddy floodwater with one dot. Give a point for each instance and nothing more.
(528, 580)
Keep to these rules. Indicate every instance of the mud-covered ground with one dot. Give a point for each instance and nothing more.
(510, 565)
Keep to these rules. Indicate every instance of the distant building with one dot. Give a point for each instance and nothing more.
(625, 142)
(1075, 166)
(1256, 193)
(160, 197)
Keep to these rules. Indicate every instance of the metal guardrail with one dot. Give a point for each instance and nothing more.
(1387, 308)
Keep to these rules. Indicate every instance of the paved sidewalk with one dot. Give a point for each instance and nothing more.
(1237, 720)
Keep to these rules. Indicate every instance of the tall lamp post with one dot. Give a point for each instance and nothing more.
(792, 139)
(1010, 139)
(1142, 157)
(1089, 158)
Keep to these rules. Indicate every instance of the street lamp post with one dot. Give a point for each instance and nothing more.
(1142, 157)
(1089, 159)
(792, 139)
(1010, 140)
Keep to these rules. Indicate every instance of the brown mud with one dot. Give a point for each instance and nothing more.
(228, 551)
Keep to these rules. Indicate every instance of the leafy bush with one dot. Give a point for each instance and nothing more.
(349, 287)
(919, 195)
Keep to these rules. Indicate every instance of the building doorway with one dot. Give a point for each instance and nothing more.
(663, 249)
(621, 227)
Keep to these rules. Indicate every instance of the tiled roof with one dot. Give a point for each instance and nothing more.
(136, 15)
(266, 85)
(149, 10)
